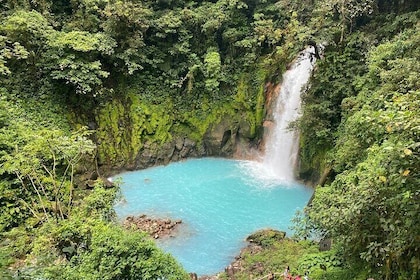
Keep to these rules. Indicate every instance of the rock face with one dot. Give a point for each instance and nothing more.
(177, 149)
(231, 137)
(156, 228)
(271, 94)
(226, 139)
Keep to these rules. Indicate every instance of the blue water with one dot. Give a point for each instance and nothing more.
(219, 201)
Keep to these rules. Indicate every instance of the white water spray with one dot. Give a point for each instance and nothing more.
(282, 145)
(282, 142)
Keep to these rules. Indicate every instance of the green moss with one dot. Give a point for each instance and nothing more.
(110, 132)
(126, 124)
(195, 123)
(266, 237)
(247, 101)
(243, 96)
(250, 99)
(149, 122)
(312, 162)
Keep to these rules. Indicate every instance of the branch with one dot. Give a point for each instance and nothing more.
(24, 202)
(30, 208)
(40, 184)
(39, 196)
(49, 172)
(71, 189)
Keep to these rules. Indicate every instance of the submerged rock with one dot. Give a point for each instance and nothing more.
(156, 228)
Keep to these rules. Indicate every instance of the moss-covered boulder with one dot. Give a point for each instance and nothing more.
(266, 237)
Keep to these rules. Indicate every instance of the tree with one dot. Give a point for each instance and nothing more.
(371, 205)
(27, 33)
(43, 165)
(212, 71)
(88, 245)
(114, 253)
(9, 52)
(74, 57)
(127, 22)
(347, 11)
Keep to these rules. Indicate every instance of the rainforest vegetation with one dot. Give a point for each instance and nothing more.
(91, 86)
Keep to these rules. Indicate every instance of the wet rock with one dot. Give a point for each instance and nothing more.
(218, 139)
(179, 143)
(107, 182)
(230, 271)
(156, 228)
(189, 143)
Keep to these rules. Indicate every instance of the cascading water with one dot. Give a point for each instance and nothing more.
(282, 142)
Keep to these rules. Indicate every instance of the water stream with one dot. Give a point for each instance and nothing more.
(282, 145)
(222, 201)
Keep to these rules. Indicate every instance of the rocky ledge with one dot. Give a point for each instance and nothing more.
(156, 228)
(257, 242)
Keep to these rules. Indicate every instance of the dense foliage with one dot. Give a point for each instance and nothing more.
(270, 254)
(91, 82)
(364, 102)
(50, 227)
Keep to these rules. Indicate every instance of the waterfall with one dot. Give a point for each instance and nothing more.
(282, 144)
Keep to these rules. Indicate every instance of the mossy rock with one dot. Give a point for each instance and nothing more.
(266, 237)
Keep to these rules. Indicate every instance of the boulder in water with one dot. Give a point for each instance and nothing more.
(156, 228)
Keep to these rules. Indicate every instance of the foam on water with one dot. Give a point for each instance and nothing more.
(258, 174)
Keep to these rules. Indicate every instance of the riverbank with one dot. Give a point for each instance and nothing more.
(268, 251)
